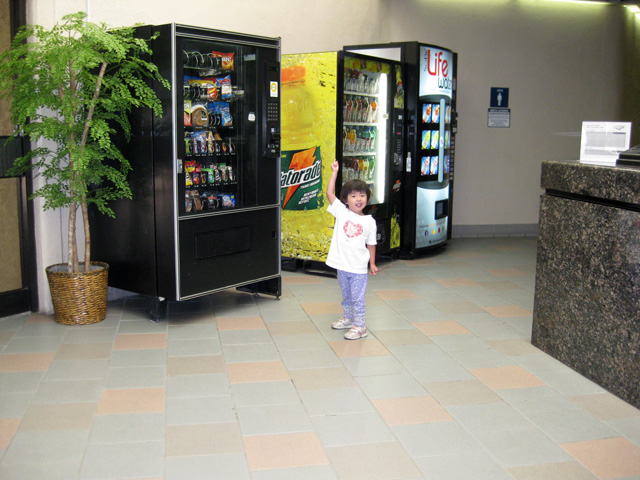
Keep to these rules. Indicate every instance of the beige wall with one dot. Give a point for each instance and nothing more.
(562, 63)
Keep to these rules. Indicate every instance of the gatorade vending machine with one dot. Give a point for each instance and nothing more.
(429, 146)
(205, 212)
(343, 106)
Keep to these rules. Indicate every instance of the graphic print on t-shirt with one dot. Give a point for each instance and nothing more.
(352, 230)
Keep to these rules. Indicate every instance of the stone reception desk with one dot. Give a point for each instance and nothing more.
(586, 309)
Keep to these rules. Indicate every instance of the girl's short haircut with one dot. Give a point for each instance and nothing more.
(354, 186)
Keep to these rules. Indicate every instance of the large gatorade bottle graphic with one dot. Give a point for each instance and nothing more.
(308, 105)
(300, 179)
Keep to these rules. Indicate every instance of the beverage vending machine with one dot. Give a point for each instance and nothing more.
(205, 212)
(344, 106)
(430, 125)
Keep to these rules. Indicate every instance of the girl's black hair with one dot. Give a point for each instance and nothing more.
(354, 186)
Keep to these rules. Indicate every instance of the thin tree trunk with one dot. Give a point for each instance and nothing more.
(87, 235)
(72, 256)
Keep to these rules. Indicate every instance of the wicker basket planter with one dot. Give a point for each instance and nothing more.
(79, 298)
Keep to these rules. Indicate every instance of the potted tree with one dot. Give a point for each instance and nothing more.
(71, 89)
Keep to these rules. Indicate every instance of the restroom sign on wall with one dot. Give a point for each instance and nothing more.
(499, 97)
(499, 115)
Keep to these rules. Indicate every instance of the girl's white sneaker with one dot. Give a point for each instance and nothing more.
(355, 333)
(342, 324)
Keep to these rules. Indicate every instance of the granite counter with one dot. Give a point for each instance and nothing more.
(587, 296)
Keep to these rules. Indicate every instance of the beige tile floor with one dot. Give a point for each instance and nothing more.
(447, 385)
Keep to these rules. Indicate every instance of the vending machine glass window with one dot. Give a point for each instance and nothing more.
(219, 121)
(365, 124)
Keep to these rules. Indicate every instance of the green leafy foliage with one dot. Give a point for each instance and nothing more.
(73, 87)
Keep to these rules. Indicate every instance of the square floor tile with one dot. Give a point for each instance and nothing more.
(304, 359)
(476, 465)
(231, 466)
(199, 410)
(84, 351)
(8, 428)
(284, 451)
(315, 308)
(450, 327)
(132, 400)
(572, 426)
(376, 461)
(53, 446)
(264, 393)
(516, 447)
(401, 337)
(206, 439)
(322, 378)
(208, 385)
(273, 419)
(25, 362)
(462, 392)
(607, 458)
(292, 328)
(352, 429)
(500, 378)
(335, 401)
(563, 470)
(457, 307)
(257, 372)
(375, 365)
(605, 406)
(195, 365)
(440, 438)
(398, 294)
(140, 341)
(122, 461)
(63, 416)
(456, 282)
(240, 323)
(128, 427)
(359, 348)
(411, 410)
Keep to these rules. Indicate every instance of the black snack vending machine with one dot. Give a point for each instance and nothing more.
(205, 213)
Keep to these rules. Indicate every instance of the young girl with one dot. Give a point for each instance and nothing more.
(353, 246)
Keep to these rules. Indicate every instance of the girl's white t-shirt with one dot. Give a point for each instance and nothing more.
(351, 235)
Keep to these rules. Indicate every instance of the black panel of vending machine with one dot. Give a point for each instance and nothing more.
(205, 212)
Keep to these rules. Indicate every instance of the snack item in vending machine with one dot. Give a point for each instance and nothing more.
(224, 173)
(217, 175)
(213, 201)
(226, 90)
(227, 59)
(228, 200)
(187, 144)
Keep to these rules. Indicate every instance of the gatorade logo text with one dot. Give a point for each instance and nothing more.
(301, 179)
